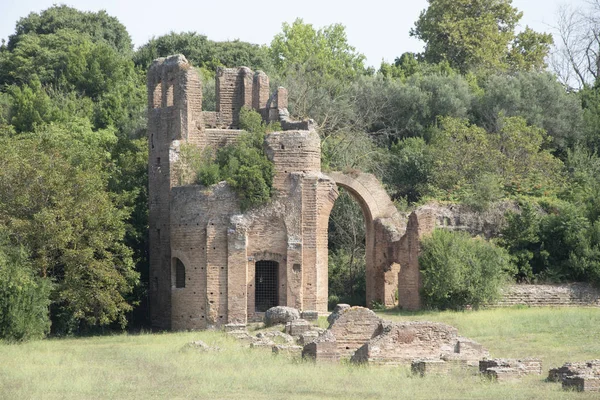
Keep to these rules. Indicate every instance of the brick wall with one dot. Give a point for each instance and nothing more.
(563, 295)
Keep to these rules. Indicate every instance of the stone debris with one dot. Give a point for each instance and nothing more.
(324, 348)
(235, 327)
(291, 350)
(199, 345)
(309, 315)
(297, 327)
(359, 334)
(280, 315)
(336, 312)
(273, 335)
(401, 343)
(308, 337)
(429, 367)
(582, 376)
(263, 343)
(504, 369)
(582, 383)
(353, 327)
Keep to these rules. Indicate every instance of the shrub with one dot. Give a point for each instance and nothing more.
(459, 271)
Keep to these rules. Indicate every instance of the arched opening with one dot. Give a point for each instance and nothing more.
(179, 273)
(346, 252)
(266, 282)
(383, 228)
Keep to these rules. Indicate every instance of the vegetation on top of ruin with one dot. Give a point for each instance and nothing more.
(467, 121)
(243, 163)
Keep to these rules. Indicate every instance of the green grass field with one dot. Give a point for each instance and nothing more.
(154, 366)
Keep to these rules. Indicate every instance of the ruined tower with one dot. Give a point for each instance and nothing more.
(211, 264)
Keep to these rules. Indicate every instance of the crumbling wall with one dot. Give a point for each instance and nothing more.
(234, 91)
(420, 223)
(174, 114)
(400, 343)
(199, 220)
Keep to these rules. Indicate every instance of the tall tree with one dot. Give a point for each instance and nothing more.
(576, 59)
(98, 25)
(479, 34)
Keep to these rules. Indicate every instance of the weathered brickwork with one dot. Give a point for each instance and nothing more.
(358, 334)
(558, 295)
(402, 343)
(582, 376)
(205, 253)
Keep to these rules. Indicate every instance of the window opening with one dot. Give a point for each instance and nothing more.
(266, 285)
(157, 96)
(179, 274)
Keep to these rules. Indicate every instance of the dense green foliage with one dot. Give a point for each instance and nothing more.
(459, 271)
(24, 296)
(54, 201)
(204, 53)
(553, 241)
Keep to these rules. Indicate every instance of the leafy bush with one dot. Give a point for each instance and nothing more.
(24, 297)
(560, 244)
(459, 271)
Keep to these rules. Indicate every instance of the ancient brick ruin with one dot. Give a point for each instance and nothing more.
(360, 335)
(212, 265)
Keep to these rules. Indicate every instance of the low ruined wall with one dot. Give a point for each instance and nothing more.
(353, 328)
(560, 295)
(400, 343)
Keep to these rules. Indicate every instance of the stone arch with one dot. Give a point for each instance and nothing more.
(384, 227)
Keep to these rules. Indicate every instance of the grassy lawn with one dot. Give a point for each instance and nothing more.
(154, 366)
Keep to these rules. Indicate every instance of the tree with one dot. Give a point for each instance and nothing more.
(536, 97)
(467, 160)
(203, 52)
(479, 35)
(318, 67)
(576, 59)
(324, 52)
(99, 26)
(54, 201)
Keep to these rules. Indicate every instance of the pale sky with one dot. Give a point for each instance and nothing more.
(378, 29)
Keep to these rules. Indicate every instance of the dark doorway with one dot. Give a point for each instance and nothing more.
(265, 284)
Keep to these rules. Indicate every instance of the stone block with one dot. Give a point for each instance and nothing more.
(429, 367)
(308, 337)
(280, 315)
(582, 383)
(297, 327)
(324, 348)
(309, 315)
